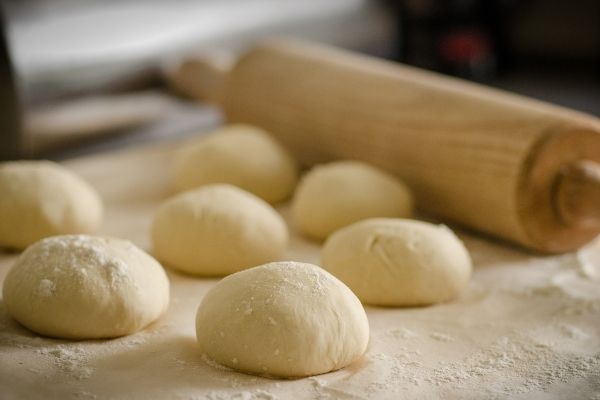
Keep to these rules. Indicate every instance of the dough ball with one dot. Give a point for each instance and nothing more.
(85, 287)
(286, 319)
(396, 262)
(217, 230)
(338, 194)
(40, 199)
(241, 155)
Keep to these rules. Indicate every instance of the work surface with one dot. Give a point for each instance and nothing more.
(528, 326)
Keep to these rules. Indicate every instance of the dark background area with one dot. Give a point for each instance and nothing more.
(549, 49)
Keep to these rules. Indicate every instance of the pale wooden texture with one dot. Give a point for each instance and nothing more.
(471, 154)
(537, 202)
(200, 77)
(578, 193)
(526, 327)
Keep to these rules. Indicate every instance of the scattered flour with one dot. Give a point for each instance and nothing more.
(46, 288)
(517, 337)
(441, 337)
(523, 365)
(572, 332)
(588, 261)
(212, 363)
(246, 395)
(528, 365)
(402, 333)
(84, 394)
(71, 359)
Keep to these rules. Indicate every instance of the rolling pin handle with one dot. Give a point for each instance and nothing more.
(201, 77)
(578, 194)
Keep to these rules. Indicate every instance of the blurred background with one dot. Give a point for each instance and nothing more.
(82, 76)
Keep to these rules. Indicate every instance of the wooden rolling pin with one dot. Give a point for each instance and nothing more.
(515, 168)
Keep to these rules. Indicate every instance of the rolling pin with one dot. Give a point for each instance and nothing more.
(512, 167)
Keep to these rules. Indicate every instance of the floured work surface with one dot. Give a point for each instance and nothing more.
(527, 327)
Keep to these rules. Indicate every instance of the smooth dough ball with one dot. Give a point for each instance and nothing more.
(40, 199)
(397, 262)
(286, 319)
(85, 287)
(241, 155)
(338, 194)
(217, 230)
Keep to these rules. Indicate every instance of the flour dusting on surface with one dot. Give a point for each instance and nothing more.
(402, 333)
(527, 327)
(46, 288)
(246, 395)
(441, 337)
(71, 359)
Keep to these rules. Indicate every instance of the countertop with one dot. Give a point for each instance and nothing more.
(528, 326)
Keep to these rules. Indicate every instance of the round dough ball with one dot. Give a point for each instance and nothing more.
(396, 262)
(286, 319)
(338, 194)
(241, 155)
(85, 287)
(217, 230)
(40, 199)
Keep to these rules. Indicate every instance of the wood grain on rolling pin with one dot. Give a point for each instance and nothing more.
(481, 157)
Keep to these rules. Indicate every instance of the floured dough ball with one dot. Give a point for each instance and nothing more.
(217, 230)
(40, 199)
(338, 194)
(286, 319)
(396, 262)
(241, 155)
(85, 287)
